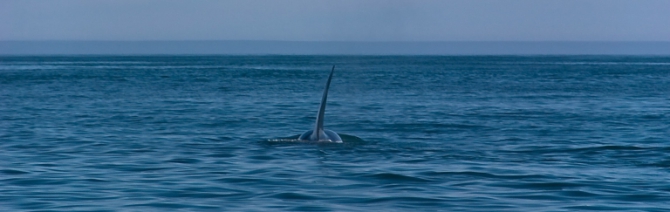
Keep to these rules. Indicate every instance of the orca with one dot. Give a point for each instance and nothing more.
(319, 134)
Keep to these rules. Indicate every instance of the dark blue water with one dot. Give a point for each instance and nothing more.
(201, 133)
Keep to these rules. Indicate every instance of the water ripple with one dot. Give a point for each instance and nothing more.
(442, 133)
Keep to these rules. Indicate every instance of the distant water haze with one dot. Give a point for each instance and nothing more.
(329, 48)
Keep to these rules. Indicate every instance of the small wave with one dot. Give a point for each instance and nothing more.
(534, 196)
(590, 149)
(662, 164)
(421, 200)
(479, 174)
(283, 140)
(293, 196)
(577, 193)
(350, 139)
(183, 160)
(396, 177)
(244, 180)
(555, 185)
(167, 206)
(34, 181)
(13, 172)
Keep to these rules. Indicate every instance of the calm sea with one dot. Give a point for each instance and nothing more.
(427, 133)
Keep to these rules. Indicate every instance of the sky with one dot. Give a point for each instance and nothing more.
(341, 20)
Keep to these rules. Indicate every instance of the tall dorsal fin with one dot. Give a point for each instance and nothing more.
(318, 127)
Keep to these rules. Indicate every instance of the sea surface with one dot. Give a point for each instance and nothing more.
(421, 133)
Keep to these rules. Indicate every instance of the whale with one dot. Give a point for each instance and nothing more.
(318, 133)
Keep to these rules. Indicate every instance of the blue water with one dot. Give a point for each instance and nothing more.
(213, 133)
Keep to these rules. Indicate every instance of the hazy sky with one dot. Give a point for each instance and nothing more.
(341, 20)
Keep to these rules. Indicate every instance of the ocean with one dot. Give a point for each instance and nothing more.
(421, 133)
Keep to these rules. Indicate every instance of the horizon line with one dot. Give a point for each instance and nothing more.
(268, 47)
(353, 41)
